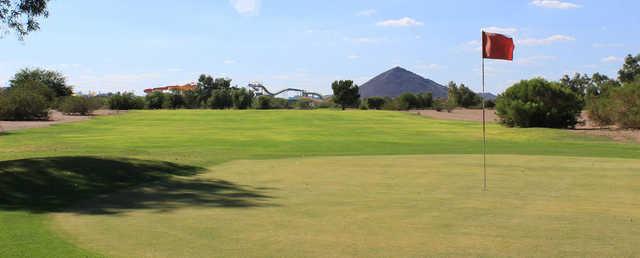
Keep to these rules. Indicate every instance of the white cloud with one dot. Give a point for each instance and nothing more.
(545, 41)
(501, 30)
(402, 22)
(367, 12)
(246, 7)
(353, 57)
(554, 4)
(611, 59)
(229, 61)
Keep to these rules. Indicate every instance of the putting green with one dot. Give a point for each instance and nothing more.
(382, 206)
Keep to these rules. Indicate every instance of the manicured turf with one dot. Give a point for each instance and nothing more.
(150, 144)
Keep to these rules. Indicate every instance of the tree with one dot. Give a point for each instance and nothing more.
(264, 102)
(221, 99)
(22, 16)
(538, 103)
(426, 100)
(125, 101)
(630, 69)
(207, 84)
(375, 103)
(345, 93)
(52, 79)
(467, 98)
(579, 83)
(453, 93)
(77, 105)
(155, 100)
(242, 98)
(407, 101)
(174, 99)
(24, 103)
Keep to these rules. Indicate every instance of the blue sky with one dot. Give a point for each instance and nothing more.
(131, 45)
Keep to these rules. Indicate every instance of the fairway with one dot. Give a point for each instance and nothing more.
(193, 183)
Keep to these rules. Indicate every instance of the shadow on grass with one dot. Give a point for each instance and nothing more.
(93, 185)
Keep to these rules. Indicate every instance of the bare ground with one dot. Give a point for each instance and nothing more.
(55, 117)
(589, 128)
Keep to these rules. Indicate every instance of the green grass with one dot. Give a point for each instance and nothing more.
(163, 149)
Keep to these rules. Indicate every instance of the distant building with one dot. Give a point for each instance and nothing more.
(167, 89)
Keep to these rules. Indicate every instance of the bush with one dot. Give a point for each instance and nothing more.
(78, 105)
(625, 105)
(125, 101)
(53, 80)
(174, 100)
(155, 100)
(303, 103)
(407, 101)
(425, 100)
(375, 102)
(220, 99)
(263, 102)
(489, 103)
(20, 103)
(538, 103)
(242, 98)
(439, 104)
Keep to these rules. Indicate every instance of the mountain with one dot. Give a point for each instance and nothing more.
(398, 80)
(488, 96)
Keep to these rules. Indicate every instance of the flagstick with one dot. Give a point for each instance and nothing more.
(484, 135)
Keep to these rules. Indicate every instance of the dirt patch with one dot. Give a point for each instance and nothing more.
(588, 128)
(55, 117)
(459, 114)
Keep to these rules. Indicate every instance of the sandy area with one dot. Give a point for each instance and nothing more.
(55, 117)
(588, 128)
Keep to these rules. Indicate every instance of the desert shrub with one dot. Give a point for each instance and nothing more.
(390, 104)
(35, 87)
(599, 110)
(425, 100)
(155, 100)
(304, 103)
(21, 103)
(242, 98)
(326, 103)
(220, 99)
(625, 105)
(78, 105)
(439, 104)
(280, 103)
(125, 101)
(375, 102)
(538, 103)
(263, 102)
(407, 101)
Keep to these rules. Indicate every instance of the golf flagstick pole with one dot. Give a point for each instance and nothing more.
(484, 133)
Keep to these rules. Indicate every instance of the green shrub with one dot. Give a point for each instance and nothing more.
(220, 99)
(21, 103)
(375, 102)
(304, 103)
(263, 102)
(439, 104)
(125, 101)
(425, 100)
(174, 100)
(280, 103)
(77, 105)
(155, 100)
(407, 101)
(599, 110)
(538, 103)
(623, 104)
(242, 98)
(489, 103)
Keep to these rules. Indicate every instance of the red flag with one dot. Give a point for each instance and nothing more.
(497, 46)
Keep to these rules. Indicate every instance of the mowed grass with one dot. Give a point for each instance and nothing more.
(174, 142)
(390, 206)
